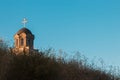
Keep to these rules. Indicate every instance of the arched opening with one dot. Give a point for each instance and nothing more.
(21, 42)
(28, 42)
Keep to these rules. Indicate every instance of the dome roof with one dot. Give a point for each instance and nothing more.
(24, 30)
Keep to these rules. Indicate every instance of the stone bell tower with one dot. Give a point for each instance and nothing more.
(24, 40)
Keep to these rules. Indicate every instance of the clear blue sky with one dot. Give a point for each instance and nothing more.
(89, 26)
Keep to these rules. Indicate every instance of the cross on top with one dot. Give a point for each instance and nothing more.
(24, 22)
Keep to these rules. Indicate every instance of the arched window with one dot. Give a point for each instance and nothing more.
(22, 42)
(28, 42)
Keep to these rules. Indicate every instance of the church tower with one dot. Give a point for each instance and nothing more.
(23, 40)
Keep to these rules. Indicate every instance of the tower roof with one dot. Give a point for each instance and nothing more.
(24, 30)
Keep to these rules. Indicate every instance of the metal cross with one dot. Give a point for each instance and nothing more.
(24, 22)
